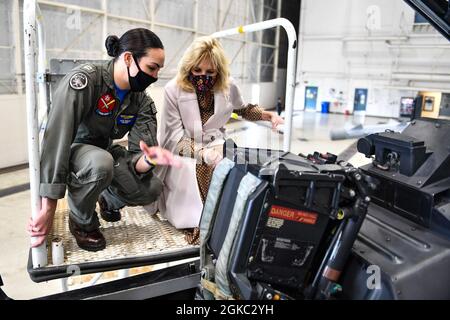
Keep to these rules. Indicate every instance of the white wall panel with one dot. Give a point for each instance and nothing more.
(338, 51)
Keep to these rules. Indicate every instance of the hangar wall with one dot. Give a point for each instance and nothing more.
(372, 44)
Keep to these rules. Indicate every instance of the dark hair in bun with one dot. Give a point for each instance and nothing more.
(112, 45)
(137, 41)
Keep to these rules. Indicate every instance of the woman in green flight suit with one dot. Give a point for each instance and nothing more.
(93, 105)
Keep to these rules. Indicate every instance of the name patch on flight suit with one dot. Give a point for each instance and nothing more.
(127, 120)
(105, 105)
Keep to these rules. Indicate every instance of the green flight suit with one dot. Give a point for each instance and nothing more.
(77, 149)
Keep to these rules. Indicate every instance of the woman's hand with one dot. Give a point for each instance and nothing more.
(276, 120)
(273, 118)
(41, 225)
(159, 155)
(210, 156)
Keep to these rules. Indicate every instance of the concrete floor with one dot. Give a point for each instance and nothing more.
(310, 133)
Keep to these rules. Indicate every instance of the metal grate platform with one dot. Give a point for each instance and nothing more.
(138, 239)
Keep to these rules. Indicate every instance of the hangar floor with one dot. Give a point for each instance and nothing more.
(310, 133)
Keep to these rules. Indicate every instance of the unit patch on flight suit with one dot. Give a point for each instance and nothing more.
(78, 81)
(105, 105)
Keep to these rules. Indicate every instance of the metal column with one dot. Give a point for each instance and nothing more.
(39, 254)
(291, 64)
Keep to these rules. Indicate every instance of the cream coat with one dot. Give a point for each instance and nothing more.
(180, 200)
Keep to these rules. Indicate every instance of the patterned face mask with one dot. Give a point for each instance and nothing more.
(202, 83)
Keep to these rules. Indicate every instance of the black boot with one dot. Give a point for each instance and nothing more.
(110, 215)
(87, 240)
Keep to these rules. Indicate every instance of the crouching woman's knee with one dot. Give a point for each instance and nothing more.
(103, 169)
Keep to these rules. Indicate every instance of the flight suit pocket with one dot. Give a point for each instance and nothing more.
(85, 177)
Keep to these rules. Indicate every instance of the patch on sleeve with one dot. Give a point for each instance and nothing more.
(78, 81)
(153, 108)
(88, 68)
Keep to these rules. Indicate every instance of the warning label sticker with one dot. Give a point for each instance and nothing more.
(274, 223)
(293, 215)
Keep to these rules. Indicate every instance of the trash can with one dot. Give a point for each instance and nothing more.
(325, 106)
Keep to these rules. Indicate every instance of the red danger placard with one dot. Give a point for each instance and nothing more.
(293, 215)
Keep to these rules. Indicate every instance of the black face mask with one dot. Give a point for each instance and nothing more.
(141, 80)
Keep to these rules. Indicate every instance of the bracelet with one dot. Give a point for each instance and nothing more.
(200, 154)
(150, 162)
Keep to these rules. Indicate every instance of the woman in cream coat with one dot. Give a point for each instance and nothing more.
(197, 105)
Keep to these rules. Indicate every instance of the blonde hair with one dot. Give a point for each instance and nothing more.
(204, 48)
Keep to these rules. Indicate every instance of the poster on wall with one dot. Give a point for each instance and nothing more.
(406, 106)
(360, 101)
(444, 111)
(311, 98)
(428, 104)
